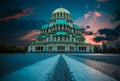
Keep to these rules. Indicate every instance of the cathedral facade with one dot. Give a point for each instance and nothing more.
(60, 35)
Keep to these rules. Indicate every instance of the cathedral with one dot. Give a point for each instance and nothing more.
(60, 35)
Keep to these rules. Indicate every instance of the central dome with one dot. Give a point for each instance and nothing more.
(61, 13)
(58, 10)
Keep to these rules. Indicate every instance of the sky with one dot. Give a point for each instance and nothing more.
(20, 20)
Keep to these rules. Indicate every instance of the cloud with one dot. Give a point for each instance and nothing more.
(87, 32)
(107, 34)
(87, 27)
(93, 14)
(97, 14)
(116, 16)
(13, 30)
(99, 38)
(30, 35)
(96, 20)
(117, 29)
(16, 13)
(86, 15)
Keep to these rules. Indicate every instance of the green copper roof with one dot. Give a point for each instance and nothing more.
(47, 35)
(45, 26)
(61, 33)
(77, 37)
(32, 43)
(76, 26)
(61, 22)
(43, 36)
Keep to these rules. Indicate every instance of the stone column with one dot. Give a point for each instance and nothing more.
(70, 37)
(33, 49)
(66, 49)
(55, 48)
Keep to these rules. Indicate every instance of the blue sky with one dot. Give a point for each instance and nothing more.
(20, 20)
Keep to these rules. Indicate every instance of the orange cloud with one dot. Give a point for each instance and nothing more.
(13, 17)
(86, 15)
(25, 12)
(92, 14)
(97, 14)
(89, 39)
(30, 35)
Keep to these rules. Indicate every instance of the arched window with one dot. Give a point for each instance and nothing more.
(64, 15)
(67, 15)
(82, 48)
(60, 14)
(47, 30)
(64, 26)
(39, 48)
(79, 48)
(60, 37)
(57, 14)
(36, 48)
(60, 26)
(63, 38)
(85, 48)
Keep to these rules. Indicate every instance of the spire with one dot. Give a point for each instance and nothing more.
(60, 6)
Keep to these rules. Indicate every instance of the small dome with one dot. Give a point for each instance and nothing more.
(76, 26)
(61, 10)
(44, 36)
(61, 33)
(45, 26)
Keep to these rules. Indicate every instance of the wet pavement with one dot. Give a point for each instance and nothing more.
(62, 72)
(105, 64)
(60, 67)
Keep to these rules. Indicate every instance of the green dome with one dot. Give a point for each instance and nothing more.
(76, 26)
(45, 26)
(61, 33)
(61, 22)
